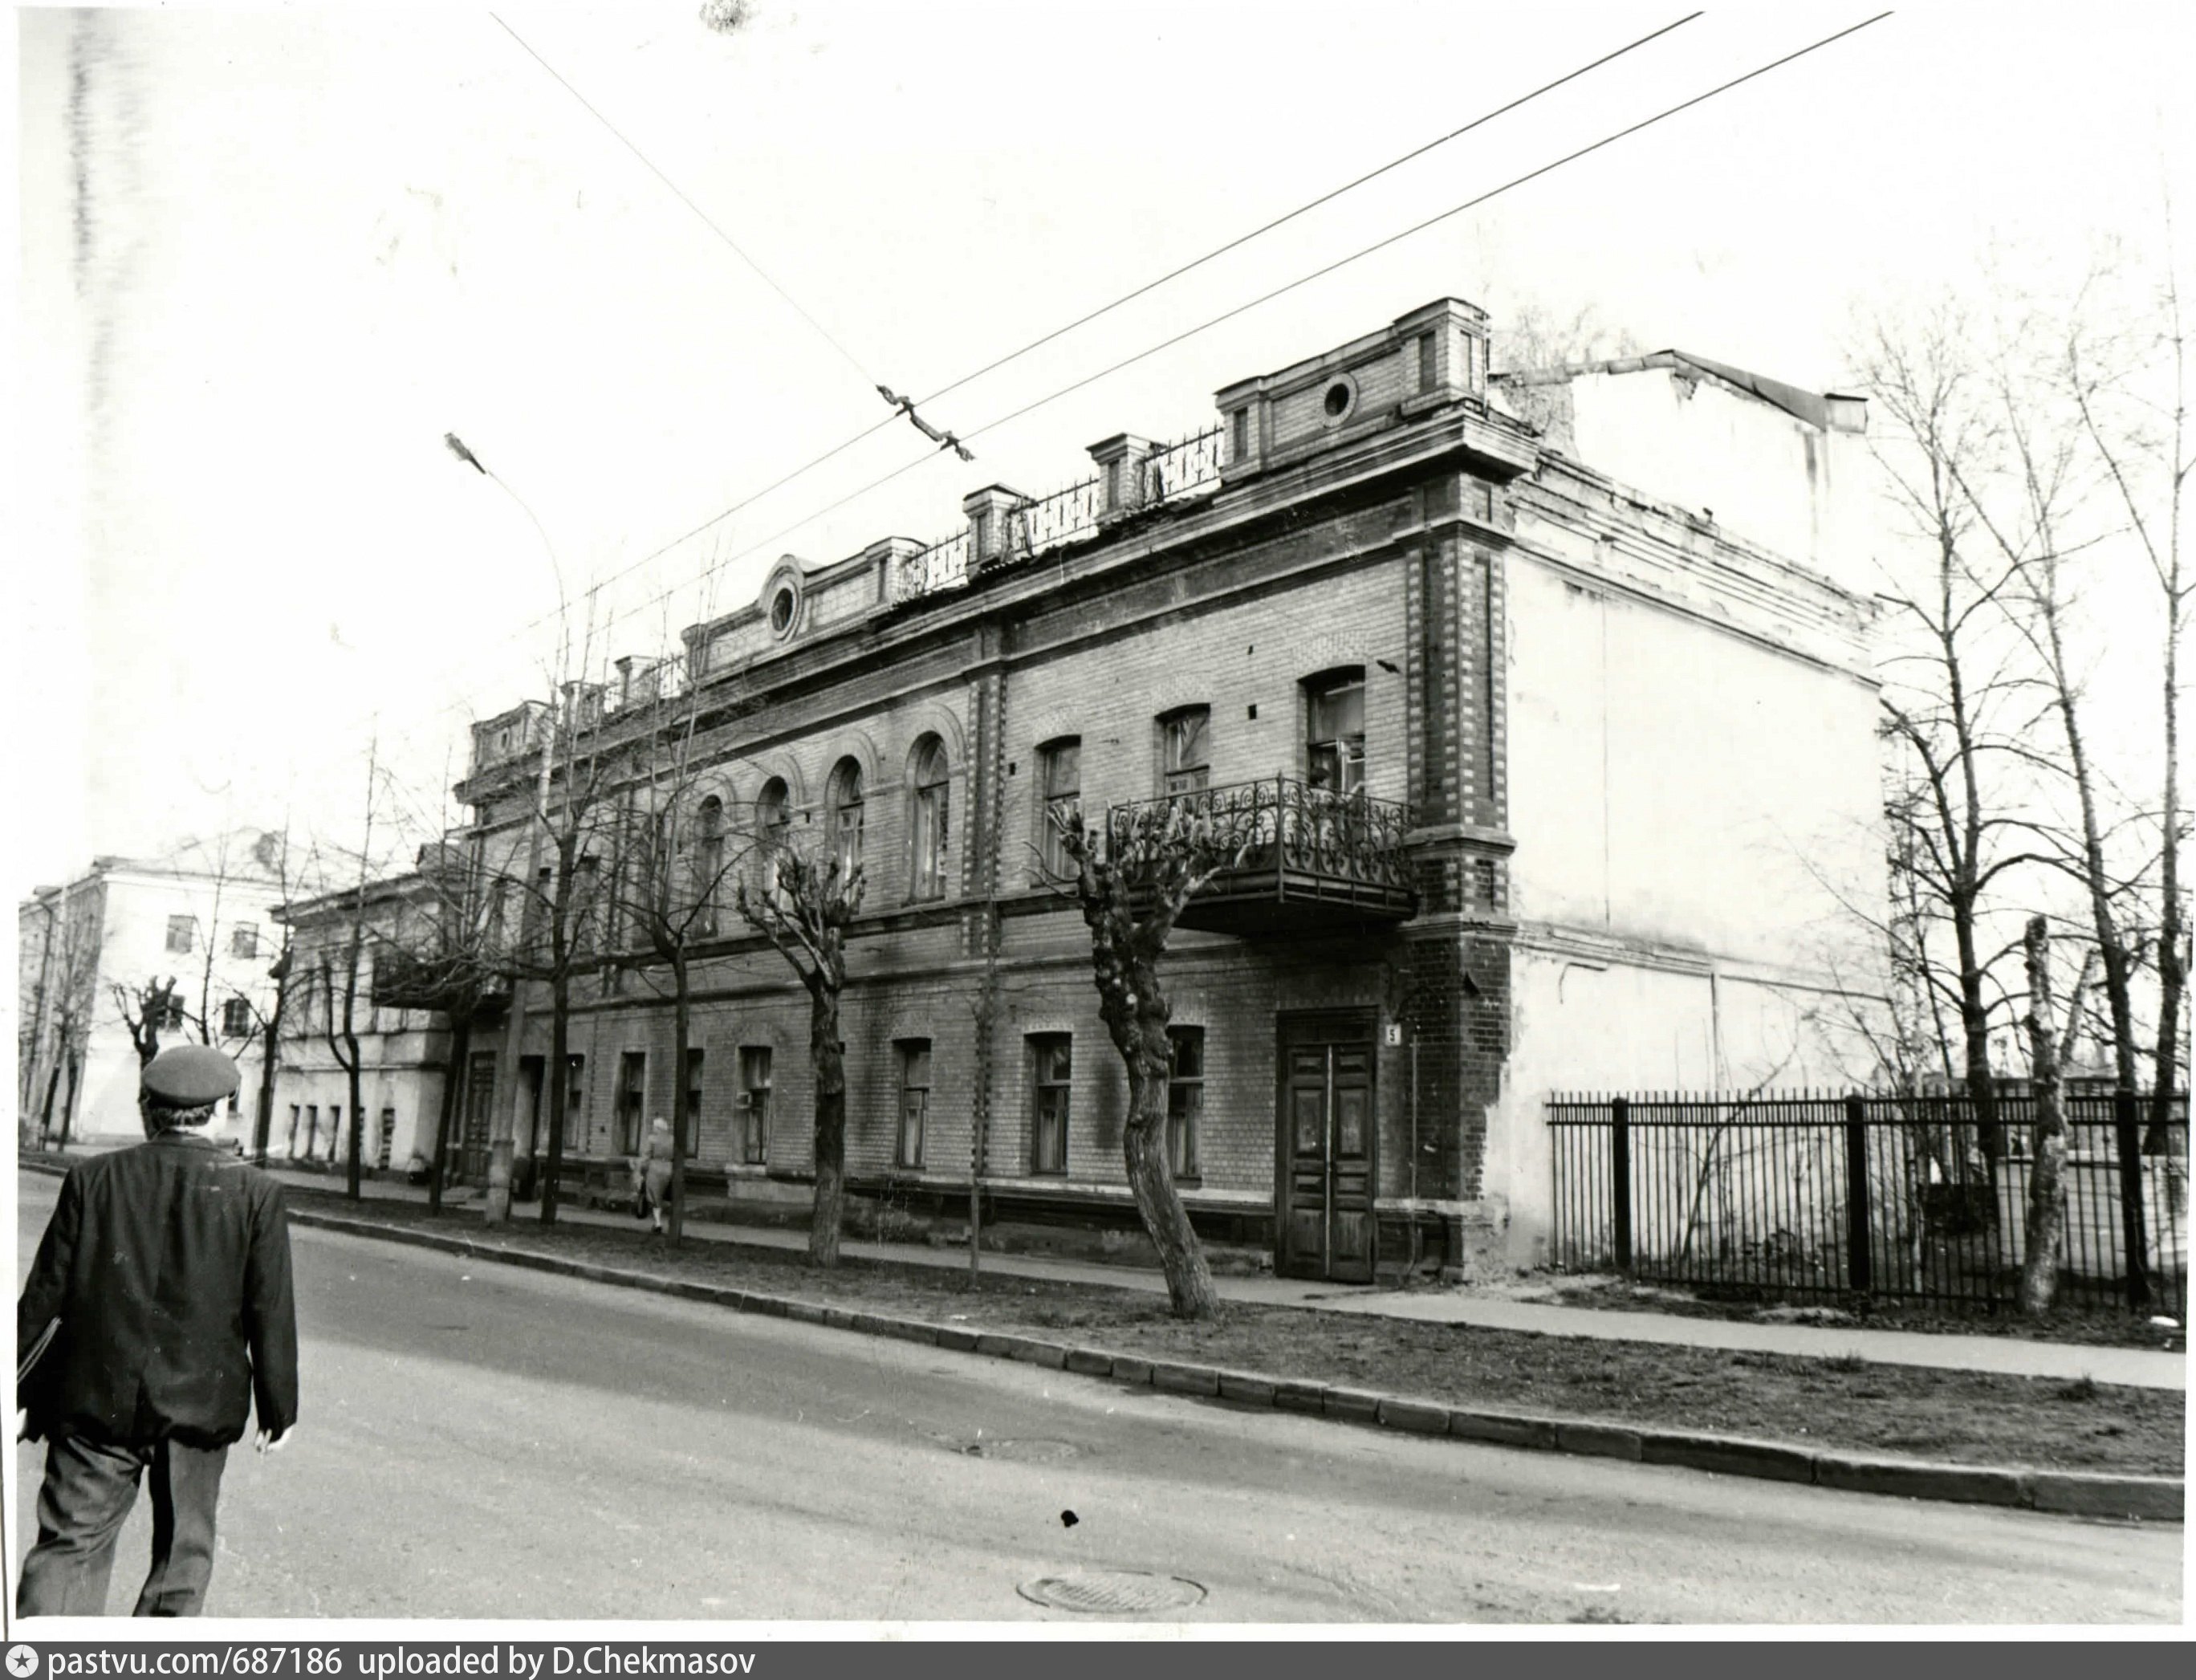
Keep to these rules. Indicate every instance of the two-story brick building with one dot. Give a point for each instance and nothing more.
(1558, 783)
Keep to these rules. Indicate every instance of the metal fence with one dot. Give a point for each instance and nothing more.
(1821, 1194)
(1171, 473)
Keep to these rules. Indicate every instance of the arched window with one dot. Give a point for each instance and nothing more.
(771, 817)
(709, 861)
(927, 817)
(846, 806)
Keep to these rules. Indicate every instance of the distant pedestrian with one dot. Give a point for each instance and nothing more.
(161, 1296)
(656, 1171)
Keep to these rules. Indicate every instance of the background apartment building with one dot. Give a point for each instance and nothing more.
(202, 915)
(1548, 694)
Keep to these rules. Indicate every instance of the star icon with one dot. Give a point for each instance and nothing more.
(22, 1661)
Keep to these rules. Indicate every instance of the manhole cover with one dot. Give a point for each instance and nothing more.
(1020, 1452)
(1112, 1592)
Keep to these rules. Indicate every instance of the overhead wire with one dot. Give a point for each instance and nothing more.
(1545, 169)
(949, 441)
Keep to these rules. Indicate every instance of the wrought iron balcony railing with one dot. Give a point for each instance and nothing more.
(1288, 842)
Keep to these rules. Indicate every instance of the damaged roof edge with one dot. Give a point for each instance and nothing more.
(1828, 411)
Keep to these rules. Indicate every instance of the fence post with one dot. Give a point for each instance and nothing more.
(1620, 1173)
(2133, 1246)
(1860, 1273)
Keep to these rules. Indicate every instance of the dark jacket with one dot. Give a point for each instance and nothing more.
(168, 1265)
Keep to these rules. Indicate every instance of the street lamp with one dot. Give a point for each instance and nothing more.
(502, 1150)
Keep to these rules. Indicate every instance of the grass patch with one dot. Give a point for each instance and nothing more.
(1965, 1416)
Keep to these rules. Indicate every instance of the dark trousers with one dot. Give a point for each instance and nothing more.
(89, 1490)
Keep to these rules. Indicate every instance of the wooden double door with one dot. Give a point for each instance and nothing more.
(1328, 1141)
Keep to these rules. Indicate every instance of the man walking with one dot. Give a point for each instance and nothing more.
(164, 1283)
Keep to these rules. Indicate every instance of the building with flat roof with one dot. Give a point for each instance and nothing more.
(1547, 693)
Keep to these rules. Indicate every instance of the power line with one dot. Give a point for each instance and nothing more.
(1084, 320)
(1281, 291)
(1419, 228)
(1304, 209)
(1381, 244)
(677, 192)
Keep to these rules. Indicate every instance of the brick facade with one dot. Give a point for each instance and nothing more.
(1363, 522)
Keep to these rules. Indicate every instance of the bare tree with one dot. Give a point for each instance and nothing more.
(1132, 883)
(147, 1011)
(569, 821)
(57, 1011)
(804, 911)
(676, 851)
(1949, 683)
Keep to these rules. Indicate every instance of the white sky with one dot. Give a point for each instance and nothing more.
(313, 240)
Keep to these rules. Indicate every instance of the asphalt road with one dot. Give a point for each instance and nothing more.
(481, 1442)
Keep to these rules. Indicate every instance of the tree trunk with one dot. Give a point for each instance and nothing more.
(1151, 1175)
(2047, 1192)
(829, 1058)
(559, 1076)
(682, 1040)
(461, 1044)
(53, 1085)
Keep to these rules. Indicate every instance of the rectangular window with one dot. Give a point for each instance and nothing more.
(312, 1128)
(1183, 753)
(632, 1099)
(913, 1099)
(754, 1101)
(1428, 363)
(1239, 436)
(244, 939)
(575, 1094)
(385, 1141)
(181, 929)
(693, 1146)
(171, 1015)
(294, 1131)
(1335, 718)
(1059, 785)
(1052, 1064)
(236, 1018)
(1185, 1098)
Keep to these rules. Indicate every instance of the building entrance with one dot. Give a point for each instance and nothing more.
(1327, 1145)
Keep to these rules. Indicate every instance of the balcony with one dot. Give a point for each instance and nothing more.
(1307, 860)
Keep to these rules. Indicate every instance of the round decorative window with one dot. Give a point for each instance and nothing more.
(784, 605)
(1340, 402)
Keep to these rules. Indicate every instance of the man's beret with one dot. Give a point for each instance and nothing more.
(189, 1076)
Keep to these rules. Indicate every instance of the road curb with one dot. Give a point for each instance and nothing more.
(2145, 1499)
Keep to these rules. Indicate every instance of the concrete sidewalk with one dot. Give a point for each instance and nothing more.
(2135, 1367)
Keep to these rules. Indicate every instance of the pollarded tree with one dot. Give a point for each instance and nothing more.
(803, 908)
(147, 1011)
(1132, 884)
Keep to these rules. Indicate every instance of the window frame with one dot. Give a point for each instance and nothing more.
(690, 1102)
(183, 934)
(244, 939)
(915, 1056)
(631, 1116)
(1334, 760)
(709, 864)
(1185, 1118)
(1050, 754)
(929, 820)
(235, 1010)
(1052, 1104)
(847, 806)
(754, 1105)
(1180, 775)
